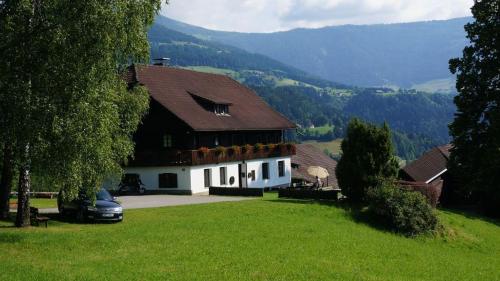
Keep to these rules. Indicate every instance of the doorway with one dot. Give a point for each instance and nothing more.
(242, 170)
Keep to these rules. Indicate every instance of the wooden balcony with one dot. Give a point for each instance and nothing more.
(204, 156)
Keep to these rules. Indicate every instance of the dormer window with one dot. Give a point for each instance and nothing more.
(212, 103)
(221, 109)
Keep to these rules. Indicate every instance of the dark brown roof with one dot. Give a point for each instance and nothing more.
(177, 91)
(308, 155)
(430, 165)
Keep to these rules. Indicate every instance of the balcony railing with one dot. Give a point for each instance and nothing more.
(204, 156)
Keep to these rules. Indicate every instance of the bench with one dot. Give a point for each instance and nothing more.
(36, 219)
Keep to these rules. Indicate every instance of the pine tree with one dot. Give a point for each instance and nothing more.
(475, 157)
(367, 158)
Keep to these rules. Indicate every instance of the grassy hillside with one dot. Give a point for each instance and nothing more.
(332, 147)
(437, 86)
(263, 239)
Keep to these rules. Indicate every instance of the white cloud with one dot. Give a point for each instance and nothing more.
(275, 15)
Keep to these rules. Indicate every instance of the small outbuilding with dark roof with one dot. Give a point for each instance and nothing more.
(308, 155)
(430, 173)
(429, 167)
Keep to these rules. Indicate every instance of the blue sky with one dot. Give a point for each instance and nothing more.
(278, 15)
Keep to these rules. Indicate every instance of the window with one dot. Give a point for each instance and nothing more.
(251, 175)
(223, 172)
(131, 180)
(207, 178)
(221, 109)
(167, 141)
(265, 171)
(167, 180)
(281, 168)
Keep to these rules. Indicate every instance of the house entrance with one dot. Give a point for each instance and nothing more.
(242, 170)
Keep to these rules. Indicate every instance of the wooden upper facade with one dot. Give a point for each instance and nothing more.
(192, 111)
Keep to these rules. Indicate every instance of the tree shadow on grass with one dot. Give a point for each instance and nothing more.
(359, 213)
(11, 237)
(59, 219)
(470, 213)
(55, 219)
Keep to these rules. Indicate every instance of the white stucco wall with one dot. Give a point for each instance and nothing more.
(198, 179)
(149, 176)
(274, 178)
(192, 178)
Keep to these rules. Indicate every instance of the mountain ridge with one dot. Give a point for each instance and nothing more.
(401, 55)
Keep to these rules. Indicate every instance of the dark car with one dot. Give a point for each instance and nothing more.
(105, 209)
(131, 184)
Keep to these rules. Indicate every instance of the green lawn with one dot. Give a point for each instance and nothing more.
(332, 146)
(263, 239)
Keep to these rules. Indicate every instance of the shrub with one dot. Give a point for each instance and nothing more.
(404, 211)
(236, 150)
(259, 147)
(271, 147)
(220, 151)
(367, 158)
(431, 191)
(248, 148)
(203, 151)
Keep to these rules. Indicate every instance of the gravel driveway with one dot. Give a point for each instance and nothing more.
(154, 201)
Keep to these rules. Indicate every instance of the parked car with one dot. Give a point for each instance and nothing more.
(106, 207)
(131, 184)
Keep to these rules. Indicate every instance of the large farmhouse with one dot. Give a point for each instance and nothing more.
(205, 130)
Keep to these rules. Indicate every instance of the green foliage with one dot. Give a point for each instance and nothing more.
(475, 158)
(404, 211)
(307, 106)
(65, 108)
(406, 111)
(367, 158)
(419, 120)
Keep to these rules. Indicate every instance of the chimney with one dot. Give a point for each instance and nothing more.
(161, 61)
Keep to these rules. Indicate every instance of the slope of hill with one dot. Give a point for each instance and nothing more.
(403, 55)
(418, 120)
(187, 51)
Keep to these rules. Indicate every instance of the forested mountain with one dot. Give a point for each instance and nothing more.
(405, 55)
(186, 50)
(419, 120)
